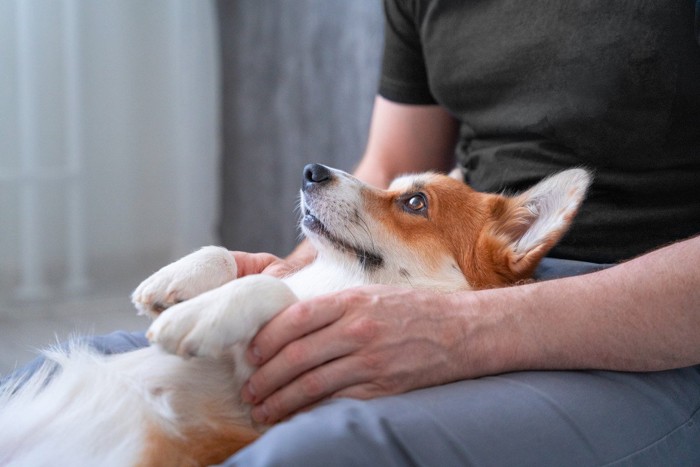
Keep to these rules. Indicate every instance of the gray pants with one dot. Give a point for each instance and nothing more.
(518, 419)
(536, 418)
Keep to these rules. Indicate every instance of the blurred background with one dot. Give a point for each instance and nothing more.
(133, 132)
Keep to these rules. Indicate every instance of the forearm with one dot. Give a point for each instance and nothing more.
(642, 315)
(406, 139)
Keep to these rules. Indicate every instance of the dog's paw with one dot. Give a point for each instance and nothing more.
(182, 328)
(214, 323)
(196, 273)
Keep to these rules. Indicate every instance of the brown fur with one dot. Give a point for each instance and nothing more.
(196, 447)
(478, 230)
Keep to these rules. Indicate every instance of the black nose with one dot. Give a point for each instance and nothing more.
(315, 174)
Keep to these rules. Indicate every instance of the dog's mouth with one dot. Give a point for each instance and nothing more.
(311, 222)
(368, 259)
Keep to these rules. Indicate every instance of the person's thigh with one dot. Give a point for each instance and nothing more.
(527, 418)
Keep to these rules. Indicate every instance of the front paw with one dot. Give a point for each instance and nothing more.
(214, 323)
(185, 327)
(196, 273)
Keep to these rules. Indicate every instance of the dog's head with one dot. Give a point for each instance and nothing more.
(430, 230)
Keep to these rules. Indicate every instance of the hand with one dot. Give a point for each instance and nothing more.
(257, 263)
(265, 263)
(359, 343)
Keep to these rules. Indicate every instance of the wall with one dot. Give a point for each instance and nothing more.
(299, 78)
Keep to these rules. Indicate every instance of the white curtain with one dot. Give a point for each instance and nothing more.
(109, 140)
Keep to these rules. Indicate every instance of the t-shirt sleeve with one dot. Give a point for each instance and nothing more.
(404, 78)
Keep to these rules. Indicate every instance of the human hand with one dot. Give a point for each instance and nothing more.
(258, 263)
(360, 343)
(265, 263)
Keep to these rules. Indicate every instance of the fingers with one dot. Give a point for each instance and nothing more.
(310, 351)
(291, 324)
(265, 263)
(311, 387)
(252, 263)
(295, 359)
(280, 268)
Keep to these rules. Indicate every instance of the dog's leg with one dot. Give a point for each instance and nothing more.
(221, 322)
(184, 279)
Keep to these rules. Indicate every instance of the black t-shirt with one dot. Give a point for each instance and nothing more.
(542, 86)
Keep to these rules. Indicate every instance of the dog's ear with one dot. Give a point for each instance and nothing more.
(457, 173)
(534, 221)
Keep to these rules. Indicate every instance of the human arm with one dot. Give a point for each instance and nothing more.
(406, 139)
(642, 315)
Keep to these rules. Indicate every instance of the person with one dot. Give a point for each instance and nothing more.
(467, 379)
(599, 364)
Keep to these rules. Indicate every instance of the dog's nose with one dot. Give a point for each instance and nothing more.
(316, 174)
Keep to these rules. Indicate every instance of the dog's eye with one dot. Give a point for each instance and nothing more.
(416, 203)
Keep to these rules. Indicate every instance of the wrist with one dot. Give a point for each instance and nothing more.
(494, 323)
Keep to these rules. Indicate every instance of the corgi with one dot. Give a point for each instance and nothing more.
(177, 401)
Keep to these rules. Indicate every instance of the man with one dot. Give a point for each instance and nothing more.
(523, 91)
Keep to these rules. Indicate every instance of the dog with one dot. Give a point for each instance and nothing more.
(177, 401)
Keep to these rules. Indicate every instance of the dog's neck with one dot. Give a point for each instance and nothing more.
(324, 275)
(331, 272)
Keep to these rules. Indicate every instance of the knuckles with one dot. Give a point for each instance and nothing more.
(299, 315)
(362, 330)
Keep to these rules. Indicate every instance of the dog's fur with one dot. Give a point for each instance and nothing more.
(177, 401)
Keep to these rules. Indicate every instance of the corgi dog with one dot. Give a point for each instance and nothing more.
(177, 402)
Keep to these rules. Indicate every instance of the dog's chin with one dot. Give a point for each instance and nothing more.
(318, 234)
(321, 237)
(311, 224)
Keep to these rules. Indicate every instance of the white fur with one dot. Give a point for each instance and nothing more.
(553, 201)
(187, 277)
(96, 409)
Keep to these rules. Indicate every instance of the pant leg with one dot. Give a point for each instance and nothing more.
(524, 419)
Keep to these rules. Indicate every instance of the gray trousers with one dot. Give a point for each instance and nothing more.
(534, 418)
